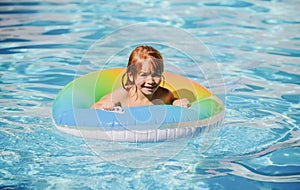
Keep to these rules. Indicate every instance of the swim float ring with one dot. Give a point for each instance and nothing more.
(71, 111)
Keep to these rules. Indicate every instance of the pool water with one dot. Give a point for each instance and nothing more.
(255, 50)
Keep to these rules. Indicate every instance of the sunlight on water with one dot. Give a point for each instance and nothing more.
(255, 44)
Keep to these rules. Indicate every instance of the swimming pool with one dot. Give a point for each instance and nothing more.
(255, 45)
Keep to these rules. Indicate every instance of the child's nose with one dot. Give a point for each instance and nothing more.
(150, 79)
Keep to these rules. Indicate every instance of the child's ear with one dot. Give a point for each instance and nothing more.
(130, 76)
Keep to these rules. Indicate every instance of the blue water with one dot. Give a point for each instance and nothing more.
(254, 56)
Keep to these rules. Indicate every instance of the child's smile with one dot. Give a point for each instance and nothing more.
(148, 79)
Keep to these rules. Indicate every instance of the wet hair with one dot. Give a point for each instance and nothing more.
(139, 56)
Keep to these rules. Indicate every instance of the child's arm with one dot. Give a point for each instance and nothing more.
(168, 98)
(109, 101)
(105, 103)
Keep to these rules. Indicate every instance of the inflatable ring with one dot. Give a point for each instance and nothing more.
(71, 111)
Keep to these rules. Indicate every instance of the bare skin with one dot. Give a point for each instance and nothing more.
(121, 97)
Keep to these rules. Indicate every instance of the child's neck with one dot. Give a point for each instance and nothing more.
(141, 99)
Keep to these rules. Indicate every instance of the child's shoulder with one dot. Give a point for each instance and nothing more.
(120, 92)
(163, 90)
(165, 95)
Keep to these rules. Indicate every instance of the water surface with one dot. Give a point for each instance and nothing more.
(255, 45)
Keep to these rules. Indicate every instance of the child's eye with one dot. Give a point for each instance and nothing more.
(156, 75)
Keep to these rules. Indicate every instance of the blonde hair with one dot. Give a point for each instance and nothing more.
(137, 57)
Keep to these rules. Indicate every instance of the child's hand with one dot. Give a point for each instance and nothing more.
(182, 102)
(108, 106)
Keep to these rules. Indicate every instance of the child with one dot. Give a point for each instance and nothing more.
(143, 77)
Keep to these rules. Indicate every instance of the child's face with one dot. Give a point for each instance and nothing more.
(147, 79)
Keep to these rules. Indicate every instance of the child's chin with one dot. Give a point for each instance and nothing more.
(148, 91)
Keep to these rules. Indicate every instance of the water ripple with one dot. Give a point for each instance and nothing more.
(236, 4)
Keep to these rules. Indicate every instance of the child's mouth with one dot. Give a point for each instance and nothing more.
(151, 88)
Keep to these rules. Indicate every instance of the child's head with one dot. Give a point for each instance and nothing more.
(143, 56)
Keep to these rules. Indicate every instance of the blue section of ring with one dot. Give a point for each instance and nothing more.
(133, 116)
